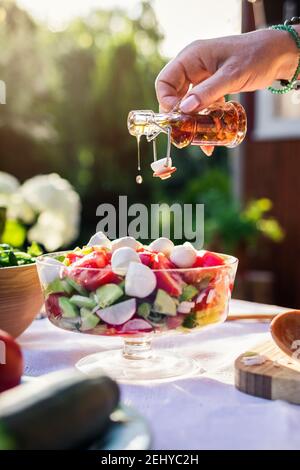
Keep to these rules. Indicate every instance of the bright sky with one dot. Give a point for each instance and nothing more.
(181, 21)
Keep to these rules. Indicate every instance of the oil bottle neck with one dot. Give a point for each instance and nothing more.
(148, 123)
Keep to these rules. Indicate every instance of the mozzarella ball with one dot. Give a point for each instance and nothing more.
(128, 242)
(100, 239)
(183, 256)
(185, 307)
(140, 281)
(162, 245)
(121, 258)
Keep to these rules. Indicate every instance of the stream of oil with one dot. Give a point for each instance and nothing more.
(139, 178)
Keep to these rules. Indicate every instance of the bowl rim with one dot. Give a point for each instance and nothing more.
(230, 261)
(2, 268)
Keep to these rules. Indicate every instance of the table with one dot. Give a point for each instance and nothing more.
(202, 412)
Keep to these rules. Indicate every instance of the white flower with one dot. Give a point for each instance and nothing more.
(18, 208)
(48, 192)
(54, 230)
(59, 207)
(8, 183)
(51, 199)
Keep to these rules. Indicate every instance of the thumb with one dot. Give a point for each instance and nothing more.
(207, 92)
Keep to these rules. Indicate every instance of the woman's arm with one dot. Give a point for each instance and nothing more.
(206, 70)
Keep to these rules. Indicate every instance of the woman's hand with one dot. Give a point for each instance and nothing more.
(206, 70)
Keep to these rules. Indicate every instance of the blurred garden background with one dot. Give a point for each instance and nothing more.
(70, 85)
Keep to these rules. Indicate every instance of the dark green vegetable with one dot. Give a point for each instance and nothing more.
(156, 318)
(190, 321)
(64, 410)
(10, 256)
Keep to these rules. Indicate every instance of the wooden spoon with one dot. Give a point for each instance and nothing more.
(285, 330)
(260, 317)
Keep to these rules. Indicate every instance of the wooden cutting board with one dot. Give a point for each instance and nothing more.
(277, 379)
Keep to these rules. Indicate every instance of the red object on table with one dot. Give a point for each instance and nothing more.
(11, 362)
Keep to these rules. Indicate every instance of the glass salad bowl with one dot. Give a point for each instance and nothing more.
(125, 289)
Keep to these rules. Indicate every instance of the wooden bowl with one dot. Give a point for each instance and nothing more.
(285, 330)
(20, 298)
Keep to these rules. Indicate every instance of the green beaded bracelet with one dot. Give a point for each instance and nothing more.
(296, 37)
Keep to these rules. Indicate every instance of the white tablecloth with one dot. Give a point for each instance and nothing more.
(202, 412)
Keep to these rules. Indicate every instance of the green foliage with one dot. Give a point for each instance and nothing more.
(6, 441)
(227, 225)
(14, 233)
(69, 96)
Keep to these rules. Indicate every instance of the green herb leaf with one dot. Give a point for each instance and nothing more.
(190, 321)
(34, 250)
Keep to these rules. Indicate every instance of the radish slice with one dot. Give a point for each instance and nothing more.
(163, 168)
(163, 164)
(165, 174)
(50, 269)
(119, 313)
(136, 325)
(202, 296)
(175, 322)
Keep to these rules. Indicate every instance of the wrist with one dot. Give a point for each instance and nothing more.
(297, 28)
(288, 55)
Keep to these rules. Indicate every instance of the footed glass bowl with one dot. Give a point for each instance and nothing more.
(93, 301)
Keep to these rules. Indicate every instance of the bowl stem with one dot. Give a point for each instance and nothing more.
(137, 348)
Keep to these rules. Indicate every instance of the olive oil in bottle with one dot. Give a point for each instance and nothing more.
(222, 124)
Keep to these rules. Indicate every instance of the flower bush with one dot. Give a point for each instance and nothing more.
(45, 209)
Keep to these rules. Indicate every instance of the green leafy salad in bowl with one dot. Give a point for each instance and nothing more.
(10, 256)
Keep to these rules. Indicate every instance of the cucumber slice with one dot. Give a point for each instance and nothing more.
(81, 301)
(58, 285)
(89, 322)
(144, 309)
(164, 304)
(68, 309)
(68, 324)
(93, 297)
(188, 293)
(81, 290)
(85, 312)
(108, 294)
